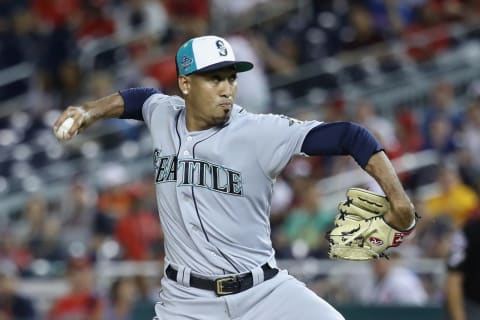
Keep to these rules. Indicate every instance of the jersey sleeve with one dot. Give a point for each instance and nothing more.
(342, 138)
(282, 138)
(157, 104)
(133, 99)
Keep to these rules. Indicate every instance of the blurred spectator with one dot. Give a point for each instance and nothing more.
(143, 307)
(469, 173)
(281, 55)
(61, 49)
(42, 95)
(410, 140)
(113, 200)
(366, 115)
(454, 199)
(161, 69)
(28, 34)
(40, 230)
(391, 16)
(138, 232)
(12, 249)
(447, 10)
(333, 109)
(70, 81)
(81, 302)
(306, 224)
(11, 54)
(441, 118)
(94, 23)
(77, 209)
(53, 13)
(13, 306)
(441, 136)
(10, 51)
(428, 35)
(363, 32)
(190, 18)
(463, 280)
(434, 236)
(253, 90)
(407, 131)
(100, 84)
(470, 152)
(282, 197)
(393, 284)
(471, 13)
(121, 299)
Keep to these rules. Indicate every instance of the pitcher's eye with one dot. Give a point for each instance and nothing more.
(216, 78)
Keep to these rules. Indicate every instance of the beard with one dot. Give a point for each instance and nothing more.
(220, 121)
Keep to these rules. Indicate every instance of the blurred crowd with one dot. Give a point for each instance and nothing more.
(85, 49)
(68, 42)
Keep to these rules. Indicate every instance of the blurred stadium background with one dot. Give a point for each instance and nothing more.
(84, 212)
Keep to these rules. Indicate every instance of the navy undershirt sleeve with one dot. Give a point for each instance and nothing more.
(341, 138)
(133, 99)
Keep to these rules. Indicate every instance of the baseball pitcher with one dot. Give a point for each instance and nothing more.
(215, 165)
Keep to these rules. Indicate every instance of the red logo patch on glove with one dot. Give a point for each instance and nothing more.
(375, 241)
(398, 237)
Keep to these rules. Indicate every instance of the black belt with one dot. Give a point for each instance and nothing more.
(226, 285)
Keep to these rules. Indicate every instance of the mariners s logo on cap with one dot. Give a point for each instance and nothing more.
(221, 48)
(207, 53)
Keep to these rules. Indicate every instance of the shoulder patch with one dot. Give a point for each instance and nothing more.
(291, 121)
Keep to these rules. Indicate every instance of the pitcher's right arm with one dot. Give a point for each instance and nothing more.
(126, 104)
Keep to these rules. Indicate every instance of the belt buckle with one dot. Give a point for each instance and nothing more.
(220, 291)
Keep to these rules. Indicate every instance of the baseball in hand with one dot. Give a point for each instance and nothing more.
(62, 131)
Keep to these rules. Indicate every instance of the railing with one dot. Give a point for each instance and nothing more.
(408, 85)
(44, 290)
(58, 175)
(15, 73)
(260, 13)
(303, 269)
(363, 57)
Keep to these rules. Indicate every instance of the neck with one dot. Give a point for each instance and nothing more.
(193, 123)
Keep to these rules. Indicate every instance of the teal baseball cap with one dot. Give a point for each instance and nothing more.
(207, 53)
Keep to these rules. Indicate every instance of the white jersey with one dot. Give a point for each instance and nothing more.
(214, 186)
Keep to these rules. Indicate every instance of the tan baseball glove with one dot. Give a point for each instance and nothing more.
(360, 232)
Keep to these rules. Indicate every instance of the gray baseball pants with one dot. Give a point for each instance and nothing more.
(281, 298)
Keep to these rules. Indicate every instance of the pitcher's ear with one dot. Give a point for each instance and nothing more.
(184, 84)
